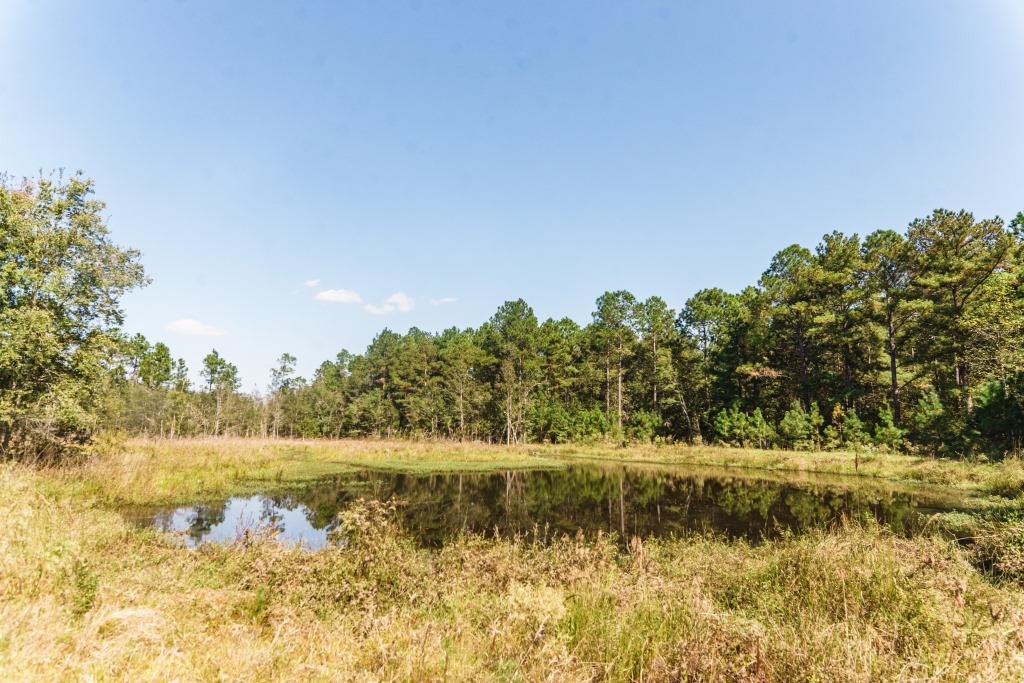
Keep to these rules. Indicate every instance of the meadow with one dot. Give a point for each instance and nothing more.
(86, 595)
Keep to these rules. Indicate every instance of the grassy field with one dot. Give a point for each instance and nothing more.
(84, 595)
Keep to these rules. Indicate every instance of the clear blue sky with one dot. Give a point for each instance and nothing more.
(485, 151)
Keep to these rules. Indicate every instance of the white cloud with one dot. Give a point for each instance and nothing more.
(312, 283)
(443, 300)
(399, 301)
(194, 328)
(339, 296)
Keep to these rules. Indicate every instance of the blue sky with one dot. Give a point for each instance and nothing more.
(424, 161)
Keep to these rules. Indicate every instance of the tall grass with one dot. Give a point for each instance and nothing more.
(85, 596)
(165, 471)
(1005, 478)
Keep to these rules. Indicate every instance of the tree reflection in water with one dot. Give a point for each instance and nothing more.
(627, 501)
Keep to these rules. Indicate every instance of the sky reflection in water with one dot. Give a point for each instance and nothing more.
(544, 504)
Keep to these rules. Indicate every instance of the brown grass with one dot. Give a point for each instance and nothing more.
(85, 596)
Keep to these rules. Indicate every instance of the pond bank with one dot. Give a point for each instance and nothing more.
(1004, 478)
(84, 594)
(154, 471)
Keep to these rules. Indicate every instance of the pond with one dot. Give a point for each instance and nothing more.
(542, 504)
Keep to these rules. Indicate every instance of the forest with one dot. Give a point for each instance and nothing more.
(906, 340)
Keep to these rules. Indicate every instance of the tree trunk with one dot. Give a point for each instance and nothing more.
(607, 385)
(619, 378)
(654, 368)
(508, 417)
(462, 417)
(5, 444)
(216, 418)
(894, 385)
(804, 375)
(694, 434)
(965, 386)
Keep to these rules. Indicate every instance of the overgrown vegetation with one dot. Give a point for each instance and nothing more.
(84, 595)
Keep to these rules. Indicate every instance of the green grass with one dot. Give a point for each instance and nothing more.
(84, 595)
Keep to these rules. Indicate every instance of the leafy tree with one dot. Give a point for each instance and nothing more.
(759, 431)
(282, 383)
(416, 383)
(221, 381)
(842, 338)
(61, 281)
(461, 366)
(731, 426)
(613, 319)
(511, 337)
(653, 322)
(889, 271)
(708, 320)
(957, 256)
(156, 367)
(788, 284)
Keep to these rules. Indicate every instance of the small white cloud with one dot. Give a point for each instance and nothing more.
(312, 283)
(339, 296)
(399, 301)
(443, 300)
(194, 328)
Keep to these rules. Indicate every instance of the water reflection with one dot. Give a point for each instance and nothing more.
(589, 498)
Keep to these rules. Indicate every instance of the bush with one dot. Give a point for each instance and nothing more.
(733, 427)
(887, 434)
(846, 431)
(801, 430)
(998, 419)
(643, 425)
(929, 422)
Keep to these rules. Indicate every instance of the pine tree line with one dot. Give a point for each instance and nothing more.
(904, 341)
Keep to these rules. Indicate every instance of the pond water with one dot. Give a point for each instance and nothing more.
(625, 500)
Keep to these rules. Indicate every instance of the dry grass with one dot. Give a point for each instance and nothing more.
(85, 596)
(148, 471)
(162, 471)
(1004, 478)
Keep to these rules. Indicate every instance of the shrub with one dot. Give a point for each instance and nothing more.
(801, 430)
(887, 434)
(643, 425)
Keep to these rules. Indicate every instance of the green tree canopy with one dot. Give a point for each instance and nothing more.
(61, 281)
